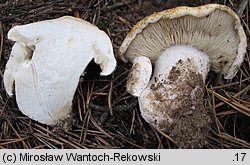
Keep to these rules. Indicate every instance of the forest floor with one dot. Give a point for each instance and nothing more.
(105, 115)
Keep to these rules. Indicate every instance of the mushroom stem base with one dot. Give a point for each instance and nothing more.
(173, 99)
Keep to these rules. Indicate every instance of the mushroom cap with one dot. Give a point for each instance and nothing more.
(47, 61)
(214, 29)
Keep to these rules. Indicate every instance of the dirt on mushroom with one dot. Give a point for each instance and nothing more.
(125, 128)
(192, 129)
(193, 126)
(187, 120)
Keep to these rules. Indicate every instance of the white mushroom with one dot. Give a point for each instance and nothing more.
(183, 44)
(139, 75)
(47, 60)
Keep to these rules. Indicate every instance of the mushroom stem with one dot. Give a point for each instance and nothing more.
(139, 76)
(176, 87)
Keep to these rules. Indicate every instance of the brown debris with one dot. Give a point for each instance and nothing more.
(94, 126)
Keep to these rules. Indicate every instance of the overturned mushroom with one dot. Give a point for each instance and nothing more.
(47, 60)
(183, 44)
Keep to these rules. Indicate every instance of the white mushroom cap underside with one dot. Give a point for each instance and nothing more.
(214, 29)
